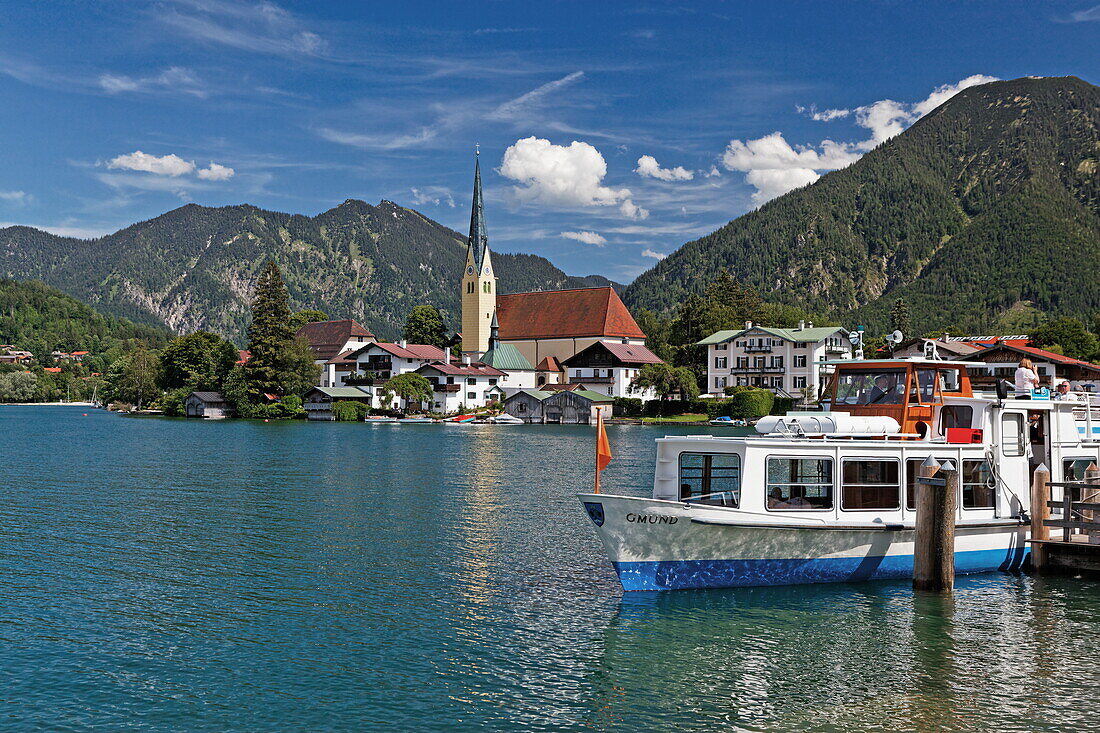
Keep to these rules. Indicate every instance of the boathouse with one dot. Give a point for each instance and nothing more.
(318, 401)
(526, 404)
(206, 404)
(565, 407)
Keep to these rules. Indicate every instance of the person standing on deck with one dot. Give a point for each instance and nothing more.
(1026, 378)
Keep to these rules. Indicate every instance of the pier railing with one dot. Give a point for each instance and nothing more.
(1080, 516)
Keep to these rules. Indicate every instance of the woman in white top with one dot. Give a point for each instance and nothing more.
(1026, 378)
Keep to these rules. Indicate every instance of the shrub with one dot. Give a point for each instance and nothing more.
(751, 403)
(628, 407)
(783, 405)
(173, 402)
(349, 411)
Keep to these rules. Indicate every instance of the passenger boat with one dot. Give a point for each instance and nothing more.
(829, 496)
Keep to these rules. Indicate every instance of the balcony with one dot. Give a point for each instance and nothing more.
(835, 349)
(379, 365)
(446, 387)
(758, 370)
(593, 380)
(758, 349)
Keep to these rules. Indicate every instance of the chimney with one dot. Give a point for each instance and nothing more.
(467, 359)
(801, 325)
(946, 337)
(401, 343)
(809, 324)
(446, 356)
(748, 325)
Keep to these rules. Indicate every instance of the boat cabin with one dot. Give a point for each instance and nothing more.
(924, 396)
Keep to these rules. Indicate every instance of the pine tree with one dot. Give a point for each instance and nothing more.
(268, 334)
(899, 317)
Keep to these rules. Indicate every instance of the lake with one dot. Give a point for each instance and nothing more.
(160, 574)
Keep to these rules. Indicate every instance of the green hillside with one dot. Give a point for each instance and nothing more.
(194, 267)
(37, 318)
(989, 204)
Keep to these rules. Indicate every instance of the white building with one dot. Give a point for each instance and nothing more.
(787, 361)
(608, 367)
(461, 386)
(378, 362)
(329, 341)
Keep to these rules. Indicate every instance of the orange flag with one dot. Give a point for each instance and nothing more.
(603, 448)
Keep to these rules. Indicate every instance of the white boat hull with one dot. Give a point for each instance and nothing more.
(665, 545)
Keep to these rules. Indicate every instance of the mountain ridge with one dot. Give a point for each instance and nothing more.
(915, 218)
(193, 267)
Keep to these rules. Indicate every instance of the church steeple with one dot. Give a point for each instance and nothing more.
(478, 241)
(479, 283)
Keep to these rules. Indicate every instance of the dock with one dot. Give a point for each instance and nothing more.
(1076, 549)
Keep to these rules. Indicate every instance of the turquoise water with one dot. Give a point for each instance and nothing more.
(164, 574)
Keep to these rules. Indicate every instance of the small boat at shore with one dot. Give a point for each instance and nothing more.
(728, 422)
(415, 420)
(381, 419)
(505, 419)
(831, 496)
(461, 419)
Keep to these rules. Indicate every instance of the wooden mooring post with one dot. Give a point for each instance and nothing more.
(1040, 513)
(934, 542)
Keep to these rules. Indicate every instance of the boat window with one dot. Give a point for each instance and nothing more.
(1073, 469)
(912, 471)
(926, 378)
(711, 478)
(869, 484)
(949, 380)
(800, 483)
(870, 387)
(1012, 434)
(956, 416)
(978, 485)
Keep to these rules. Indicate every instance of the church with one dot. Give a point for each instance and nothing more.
(543, 329)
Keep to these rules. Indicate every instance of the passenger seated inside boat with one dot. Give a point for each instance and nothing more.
(871, 387)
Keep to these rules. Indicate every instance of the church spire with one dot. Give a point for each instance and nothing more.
(494, 332)
(478, 241)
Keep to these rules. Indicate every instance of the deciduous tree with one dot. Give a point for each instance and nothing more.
(425, 325)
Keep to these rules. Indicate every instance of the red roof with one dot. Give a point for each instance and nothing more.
(1036, 353)
(243, 355)
(327, 338)
(548, 364)
(476, 369)
(410, 351)
(79, 353)
(344, 358)
(565, 314)
(52, 370)
(628, 354)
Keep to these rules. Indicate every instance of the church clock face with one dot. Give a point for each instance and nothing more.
(470, 270)
(486, 270)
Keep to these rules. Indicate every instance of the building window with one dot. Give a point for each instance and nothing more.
(720, 347)
(471, 395)
(711, 478)
(742, 362)
(719, 362)
(799, 382)
(719, 382)
(800, 483)
(869, 485)
(777, 382)
(800, 361)
(492, 382)
(521, 407)
(469, 287)
(758, 362)
(777, 362)
(471, 380)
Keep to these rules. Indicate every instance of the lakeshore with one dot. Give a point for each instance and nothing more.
(249, 575)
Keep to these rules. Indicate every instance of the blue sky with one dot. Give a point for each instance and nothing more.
(611, 133)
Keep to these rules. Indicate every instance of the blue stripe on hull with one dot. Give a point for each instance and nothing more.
(683, 574)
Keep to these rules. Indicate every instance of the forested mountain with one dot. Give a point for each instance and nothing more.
(37, 318)
(194, 267)
(987, 206)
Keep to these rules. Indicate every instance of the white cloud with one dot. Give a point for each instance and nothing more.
(65, 230)
(215, 172)
(172, 79)
(165, 165)
(945, 92)
(648, 167)
(433, 195)
(379, 142)
(713, 172)
(18, 198)
(561, 175)
(586, 237)
(1086, 15)
(655, 255)
(261, 27)
(517, 107)
(773, 166)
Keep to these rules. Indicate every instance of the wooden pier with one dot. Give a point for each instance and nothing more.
(1077, 549)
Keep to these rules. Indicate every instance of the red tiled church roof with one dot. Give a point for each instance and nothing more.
(579, 313)
(327, 338)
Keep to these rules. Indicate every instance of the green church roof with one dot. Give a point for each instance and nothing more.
(507, 358)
